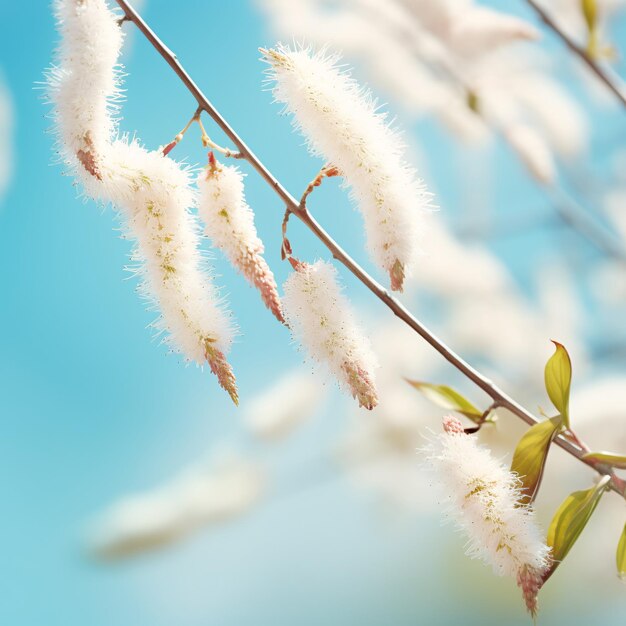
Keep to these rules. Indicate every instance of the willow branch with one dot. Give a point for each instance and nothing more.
(399, 310)
(612, 83)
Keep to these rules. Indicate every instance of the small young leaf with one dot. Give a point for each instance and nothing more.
(570, 520)
(448, 398)
(531, 453)
(621, 555)
(607, 458)
(558, 378)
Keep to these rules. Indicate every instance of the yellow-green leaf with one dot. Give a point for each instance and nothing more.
(621, 555)
(607, 458)
(590, 13)
(448, 398)
(558, 378)
(531, 453)
(571, 518)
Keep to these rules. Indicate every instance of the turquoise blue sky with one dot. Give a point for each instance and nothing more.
(91, 408)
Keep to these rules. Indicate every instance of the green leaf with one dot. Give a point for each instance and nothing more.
(531, 453)
(621, 555)
(607, 458)
(558, 377)
(448, 398)
(571, 518)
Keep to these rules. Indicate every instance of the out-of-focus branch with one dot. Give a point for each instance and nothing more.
(569, 212)
(577, 218)
(612, 82)
(399, 310)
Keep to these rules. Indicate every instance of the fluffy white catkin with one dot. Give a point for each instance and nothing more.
(484, 500)
(341, 123)
(152, 192)
(229, 223)
(321, 320)
(84, 85)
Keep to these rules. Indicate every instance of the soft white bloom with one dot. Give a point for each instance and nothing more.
(533, 151)
(467, 28)
(152, 192)
(469, 269)
(552, 110)
(286, 404)
(341, 123)
(515, 88)
(229, 223)
(84, 86)
(484, 501)
(321, 319)
(481, 29)
(206, 494)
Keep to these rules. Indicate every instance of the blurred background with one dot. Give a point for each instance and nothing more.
(135, 493)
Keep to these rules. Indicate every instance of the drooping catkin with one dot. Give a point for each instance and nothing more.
(342, 124)
(321, 320)
(229, 223)
(484, 500)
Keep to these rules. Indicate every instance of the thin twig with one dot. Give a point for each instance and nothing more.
(612, 82)
(480, 380)
(328, 171)
(207, 142)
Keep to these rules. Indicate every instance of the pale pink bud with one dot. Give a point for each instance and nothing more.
(222, 369)
(452, 424)
(530, 580)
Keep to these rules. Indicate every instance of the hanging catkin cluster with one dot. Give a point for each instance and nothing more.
(341, 123)
(152, 192)
(484, 500)
(321, 319)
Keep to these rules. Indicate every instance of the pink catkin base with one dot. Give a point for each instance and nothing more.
(361, 385)
(222, 369)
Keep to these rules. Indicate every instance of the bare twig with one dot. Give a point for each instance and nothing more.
(613, 83)
(207, 142)
(480, 380)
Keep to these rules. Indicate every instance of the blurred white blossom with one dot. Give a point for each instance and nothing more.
(284, 405)
(211, 492)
